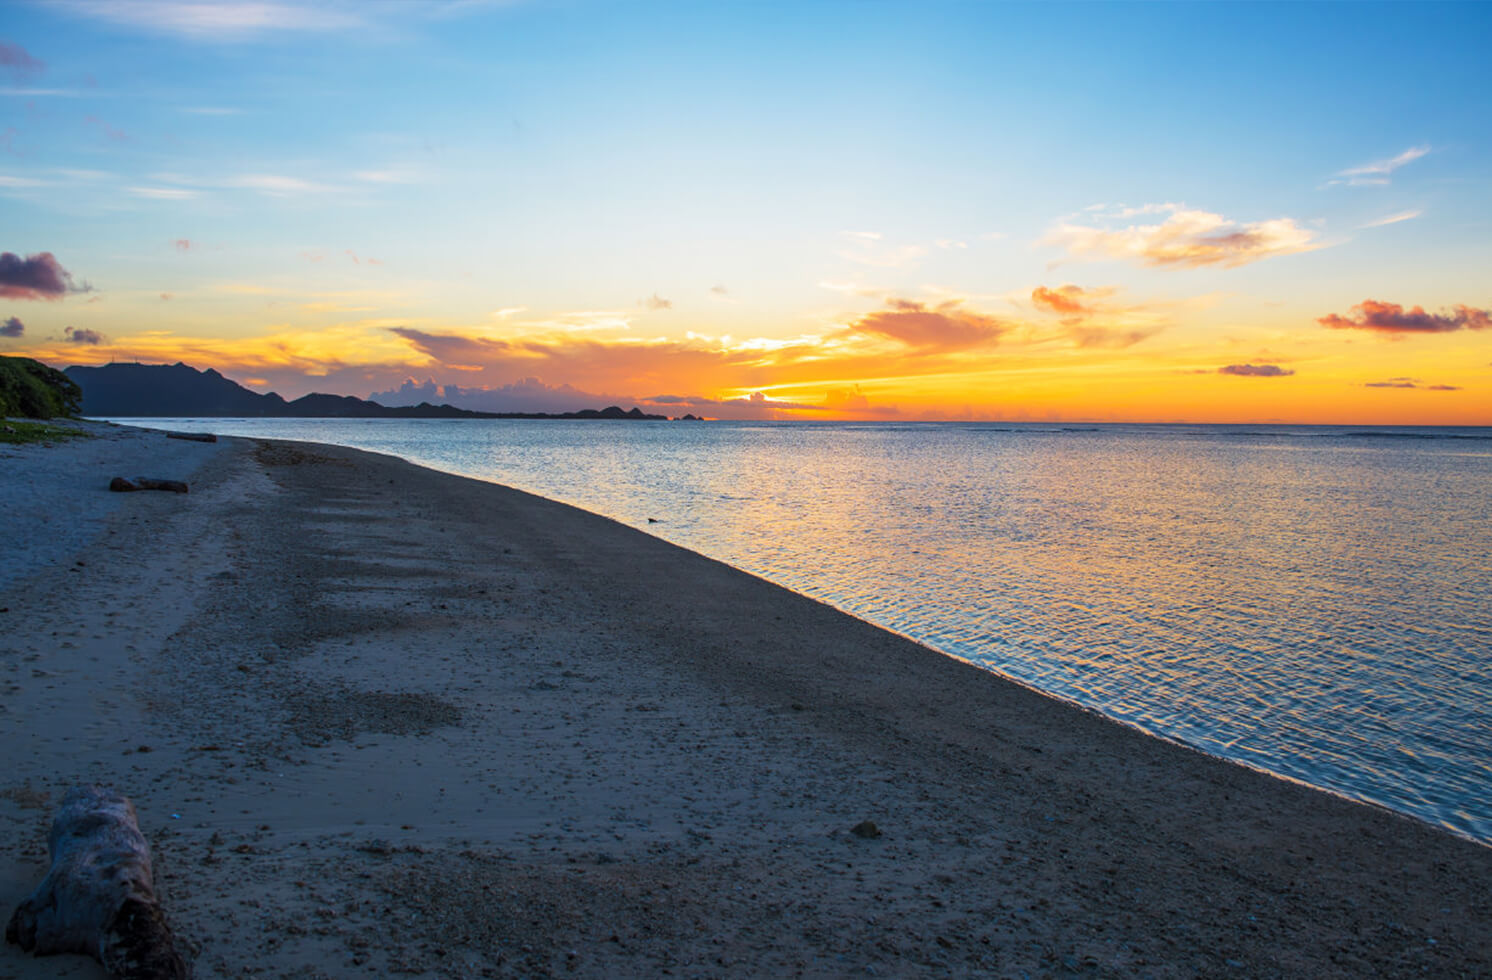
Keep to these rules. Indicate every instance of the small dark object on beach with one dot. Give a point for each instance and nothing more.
(98, 898)
(866, 829)
(193, 436)
(120, 485)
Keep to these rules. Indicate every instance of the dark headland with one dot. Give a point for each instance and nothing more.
(181, 391)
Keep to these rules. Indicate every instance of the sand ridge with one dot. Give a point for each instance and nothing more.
(383, 721)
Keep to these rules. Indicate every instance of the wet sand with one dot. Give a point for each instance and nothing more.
(381, 721)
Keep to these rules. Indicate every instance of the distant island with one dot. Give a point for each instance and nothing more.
(181, 391)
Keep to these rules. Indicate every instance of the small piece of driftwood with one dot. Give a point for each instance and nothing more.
(98, 899)
(120, 485)
(193, 436)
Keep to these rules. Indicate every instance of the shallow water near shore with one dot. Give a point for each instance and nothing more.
(1315, 602)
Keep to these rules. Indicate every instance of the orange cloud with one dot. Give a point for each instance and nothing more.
(1187, 239)
(946, 327)
(1065, 299)
(1391, 318)
(1091, 321)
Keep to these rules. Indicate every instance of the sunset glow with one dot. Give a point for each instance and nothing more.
(1208, 213)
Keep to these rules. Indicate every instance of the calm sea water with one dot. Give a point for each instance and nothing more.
(1315, 602)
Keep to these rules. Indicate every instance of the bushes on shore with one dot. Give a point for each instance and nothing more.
(29, 389)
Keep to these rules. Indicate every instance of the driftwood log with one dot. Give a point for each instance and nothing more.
(120, 485)
(194, 436)
(99, 896)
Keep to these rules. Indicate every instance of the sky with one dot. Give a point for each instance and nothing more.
(860, 210)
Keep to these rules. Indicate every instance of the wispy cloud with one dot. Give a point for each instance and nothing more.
(656, 302)
(274, 185)
(574, 321)
(209, 110)
(853, 289)
(1379, 172)
(867, 248)
(175, 186)
(163, 193)
(8, 181)
(21, 92)
(1090, 318)
(1186, 239)
(230, 20)
(392, 175)
(18, 64)
(1391, 318)
(1413, 383)
(1394, 219)
(111, 132)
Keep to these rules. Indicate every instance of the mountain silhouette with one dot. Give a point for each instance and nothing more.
(181, 391)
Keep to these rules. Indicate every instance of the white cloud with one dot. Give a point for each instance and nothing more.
(1187, 238)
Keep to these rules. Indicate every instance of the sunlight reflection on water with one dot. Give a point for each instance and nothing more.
(1315, 602)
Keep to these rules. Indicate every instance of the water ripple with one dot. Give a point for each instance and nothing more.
(1313, 602)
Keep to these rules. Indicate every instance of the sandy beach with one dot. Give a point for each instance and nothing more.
(382, 721)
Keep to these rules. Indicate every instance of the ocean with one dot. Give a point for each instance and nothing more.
(1315, 602)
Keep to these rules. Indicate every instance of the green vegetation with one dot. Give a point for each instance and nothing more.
(29, 389)
(18, 432)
